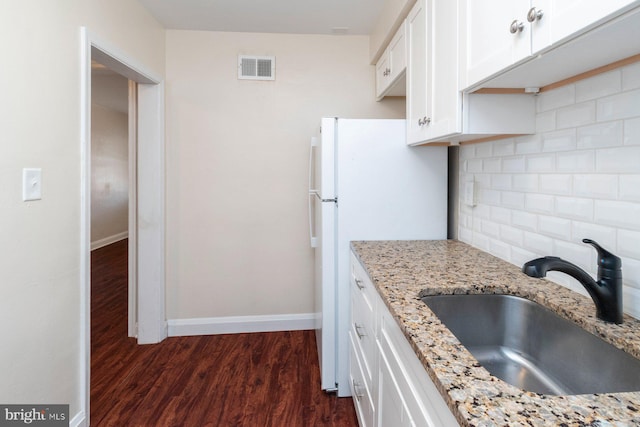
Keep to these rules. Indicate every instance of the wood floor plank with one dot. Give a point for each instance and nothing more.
(262, 379)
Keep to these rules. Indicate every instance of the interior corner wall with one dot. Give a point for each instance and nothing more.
(42, 357)
(237, 165)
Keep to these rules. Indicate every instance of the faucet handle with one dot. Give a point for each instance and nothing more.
(605, 258)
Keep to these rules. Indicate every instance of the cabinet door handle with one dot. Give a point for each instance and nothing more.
(359, 284)
(357, 389)
(358, 331)
(534, 14)
(424, 121)
(516, 27)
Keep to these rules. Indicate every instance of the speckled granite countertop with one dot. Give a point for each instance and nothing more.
(404, 270)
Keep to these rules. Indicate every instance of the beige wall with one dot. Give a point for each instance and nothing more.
(109, 157)
(40, 307)
(237, 154)
(109, 175)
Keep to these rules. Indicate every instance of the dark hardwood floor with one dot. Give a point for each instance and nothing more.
(263, 379)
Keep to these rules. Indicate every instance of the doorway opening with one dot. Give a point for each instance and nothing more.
(146, 199)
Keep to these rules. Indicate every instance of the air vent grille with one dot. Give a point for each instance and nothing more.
(256, 67)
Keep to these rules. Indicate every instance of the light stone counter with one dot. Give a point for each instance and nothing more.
(403, 271)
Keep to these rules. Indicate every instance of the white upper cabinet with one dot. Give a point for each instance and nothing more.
(568, 17)
(491, 42)
(418, 66)
(437, 111)
(501, 34)
(391, 67)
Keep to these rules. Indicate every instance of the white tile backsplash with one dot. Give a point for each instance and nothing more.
(555, 99)
(525, 220)
(576, 115)
(576, 161)
(541, 163)
(556, 183)
(511, 235)
(525, 182)
(528, 144)
(605, 134)
(575, 208)
(632, 131)
(604, 235)
(628, 244)
(554, 226)
(577, 177)
(513, 164)
(540, 203)
(501, 181)
(620, 160)
(599, 186)
(512, 199)
(617, 214)
(620, 106)
(631, 77)
(630, 187)
(562, 140)
(599, 86)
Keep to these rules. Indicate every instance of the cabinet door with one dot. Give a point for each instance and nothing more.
(418, 64)
(491, 46)
(568, 17)
(392, 409)
(398, 53)
(445, 100)
(382, 74)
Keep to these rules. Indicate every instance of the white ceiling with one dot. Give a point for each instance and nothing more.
(268, 16)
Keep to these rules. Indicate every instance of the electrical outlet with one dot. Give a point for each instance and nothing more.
(31, 184)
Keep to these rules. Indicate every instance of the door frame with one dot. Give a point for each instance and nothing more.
(148, 228)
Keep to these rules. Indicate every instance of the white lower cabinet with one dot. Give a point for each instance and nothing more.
(390, 386)
(362, 396)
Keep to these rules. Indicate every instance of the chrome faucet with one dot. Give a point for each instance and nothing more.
(606, 292)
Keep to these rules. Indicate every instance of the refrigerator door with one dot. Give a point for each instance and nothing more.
(387, 191)
(325, 255)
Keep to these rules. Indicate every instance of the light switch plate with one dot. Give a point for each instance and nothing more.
(31, 184)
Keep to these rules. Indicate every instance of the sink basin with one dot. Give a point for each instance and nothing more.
(530, 347)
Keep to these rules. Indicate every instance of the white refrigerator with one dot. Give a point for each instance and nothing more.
(365, 183)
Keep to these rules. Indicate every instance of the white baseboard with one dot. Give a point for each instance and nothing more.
(241, 324)
(109, 240)
(80, 420)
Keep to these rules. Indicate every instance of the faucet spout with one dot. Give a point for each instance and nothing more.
(606, 292)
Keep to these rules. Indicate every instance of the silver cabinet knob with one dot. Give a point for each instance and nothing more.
(424, 121)
(359, 329)
(516, 27)
(359, 284)
(534, 14)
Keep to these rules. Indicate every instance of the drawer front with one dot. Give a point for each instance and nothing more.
(360, 281)
(363, 323)
(362, 396)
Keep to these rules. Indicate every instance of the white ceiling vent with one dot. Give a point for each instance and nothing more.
(256, 67)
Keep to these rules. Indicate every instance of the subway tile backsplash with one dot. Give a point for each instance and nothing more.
(577, 177)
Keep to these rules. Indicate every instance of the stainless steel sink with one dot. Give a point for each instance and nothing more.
(532, 348)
